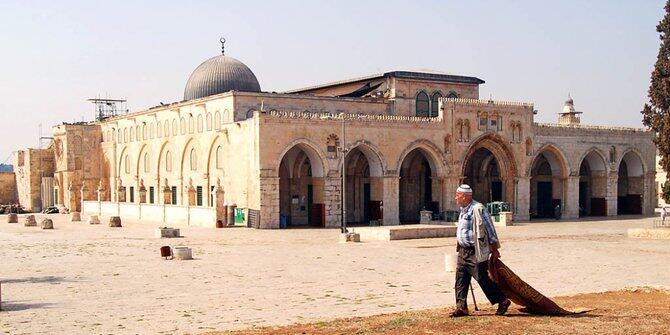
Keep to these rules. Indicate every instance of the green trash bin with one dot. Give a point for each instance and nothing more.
(239, 215)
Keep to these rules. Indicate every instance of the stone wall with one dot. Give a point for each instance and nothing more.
(30, 166)
(8, 192)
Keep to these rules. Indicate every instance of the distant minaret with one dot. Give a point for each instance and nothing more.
(569, 115)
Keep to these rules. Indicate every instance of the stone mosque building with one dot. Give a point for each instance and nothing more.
(404, 141)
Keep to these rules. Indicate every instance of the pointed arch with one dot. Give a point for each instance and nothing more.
(316, 156)
(422, 104)
(433, 154)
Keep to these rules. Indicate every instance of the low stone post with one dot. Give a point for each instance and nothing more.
(12, 218)
(47, 224)
(75, 217)
(115, 221)
(425, 217)
(93, 219)
(29, 221)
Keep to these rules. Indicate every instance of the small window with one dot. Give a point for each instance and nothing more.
(493, 124)
(151, 194)
(173, 192)
(198, 191)
(166, 128)
(200, 123)
(131, 194)
(219, 157)
(208, 120)
(452, 95)
(191, 125)
(174, 127)
(483, 122)
(422, 104)
(168, 161)
(193, 160)
(126, 164)
(217, 120)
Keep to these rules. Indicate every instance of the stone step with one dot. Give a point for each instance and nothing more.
(390, 233)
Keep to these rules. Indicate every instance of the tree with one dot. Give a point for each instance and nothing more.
(656, 113)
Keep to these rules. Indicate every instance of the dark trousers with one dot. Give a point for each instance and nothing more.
(466, 268)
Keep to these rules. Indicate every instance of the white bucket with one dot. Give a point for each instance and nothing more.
(450, 261)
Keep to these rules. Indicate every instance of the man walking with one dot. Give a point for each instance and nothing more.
(477, 239)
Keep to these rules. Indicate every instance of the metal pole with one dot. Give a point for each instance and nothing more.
(344, 180)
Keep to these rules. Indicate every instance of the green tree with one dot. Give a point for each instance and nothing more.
(656, 113)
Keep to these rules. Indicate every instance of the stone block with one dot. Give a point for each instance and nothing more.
(93, 219)
(425, 217)
(506, 219)
(47, 224)
(12, 218)
(115, 221)
(29, 221)
(75, 217)
(182, 253)
(350, 237)
(167, 232)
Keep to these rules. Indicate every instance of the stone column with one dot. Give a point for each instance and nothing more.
(332, 199)
(611, 196)
(522, 202)
(121, 194)
(649, 196)
(73, 201)
(571, 198)
(167, 195)
(451, 183)
(101, 192)
(391, 200)
(219, 203)
(190, 190)
(269, 202)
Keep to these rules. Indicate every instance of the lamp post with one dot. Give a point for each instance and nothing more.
(343, 175)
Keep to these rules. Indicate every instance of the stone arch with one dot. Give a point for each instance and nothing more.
(548, 174)
(593, 179)
(120, 167)
(315, 154)
(490, 168)
(631, 183)
(374, 156)
(435, 156)
(301, 172)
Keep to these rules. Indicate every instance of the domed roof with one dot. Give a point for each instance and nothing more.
(218, 75)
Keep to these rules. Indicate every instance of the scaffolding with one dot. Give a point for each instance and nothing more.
(106, 108)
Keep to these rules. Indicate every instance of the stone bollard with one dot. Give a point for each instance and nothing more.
(12, 218)
(93, 219)
(425, 217)
(167, 232)
(350, 237)
(115, 221)
(182, 253)
(75, 217)
(30, 221)
(47, 224)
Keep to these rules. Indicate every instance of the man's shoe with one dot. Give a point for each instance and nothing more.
(503, 306)
(459, 312)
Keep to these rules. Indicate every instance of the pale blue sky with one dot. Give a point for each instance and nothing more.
(55, 54)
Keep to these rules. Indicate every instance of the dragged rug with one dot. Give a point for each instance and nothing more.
(523, 294)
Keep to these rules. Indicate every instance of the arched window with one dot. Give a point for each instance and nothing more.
(125, 135)
(146, 162)
(168, 161)
(120, 136)
(126, 163)
(208, 120)
(132, 135)
(452, 95)
(219, 157)
(138, 135)
(151, 130)
(193, 160)
(434, 104)
(191, 124)
(174, 127)
(217, 120)
(159, 130)
(200, 123)
(422, 104)
(144, 132)
(166, 128)
(182, 126)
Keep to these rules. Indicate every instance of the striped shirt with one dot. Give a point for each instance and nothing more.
(465, 232)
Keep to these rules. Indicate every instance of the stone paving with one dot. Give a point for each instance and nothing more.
(93, 279)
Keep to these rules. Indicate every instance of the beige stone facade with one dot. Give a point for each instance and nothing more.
(31, 166)
(8, 191)
(409, 140)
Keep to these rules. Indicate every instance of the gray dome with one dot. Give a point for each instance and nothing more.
(218, 75)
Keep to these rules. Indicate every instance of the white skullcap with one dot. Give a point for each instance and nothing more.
(465, 188)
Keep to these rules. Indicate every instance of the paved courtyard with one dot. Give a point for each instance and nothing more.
(99, 280)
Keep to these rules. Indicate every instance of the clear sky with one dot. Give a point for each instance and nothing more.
(56, 54)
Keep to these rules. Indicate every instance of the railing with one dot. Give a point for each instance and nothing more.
(589, 127)
(480, 102)
(156, 213)
(352, 117)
